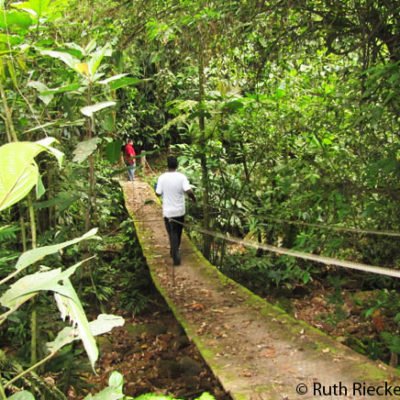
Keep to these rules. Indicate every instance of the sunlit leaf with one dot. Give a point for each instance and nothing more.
(67, 58)
(70, 306)
(116, 380)
(120, 81)
(10, 39)
(206, 396)
(34, 7)
(97, 57)
(85, 149)
(32, 256)
(39, 127)
(28, 286)
(123, 82)
(62, 89)
(114, 391)
(82, 68)
(66, 336)
(40, 189)
(103, 324)
(15, 20)
(113, 78)
(18, 169)
(90, 46)
(24, 395)
(90, 110)
(78, 50)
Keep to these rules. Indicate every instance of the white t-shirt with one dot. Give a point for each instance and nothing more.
(172, 186)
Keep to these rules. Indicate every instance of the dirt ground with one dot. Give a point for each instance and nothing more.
(155, 356)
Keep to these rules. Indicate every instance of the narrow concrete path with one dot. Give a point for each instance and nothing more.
(256, 350)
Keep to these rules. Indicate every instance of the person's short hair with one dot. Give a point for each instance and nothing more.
(130, 140)
(172, 162)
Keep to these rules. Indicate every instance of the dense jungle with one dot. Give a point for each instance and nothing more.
(285, 117)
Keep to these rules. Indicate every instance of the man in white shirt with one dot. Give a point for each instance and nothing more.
(172, 186)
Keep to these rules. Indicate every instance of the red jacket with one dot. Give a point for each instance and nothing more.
(129, 154)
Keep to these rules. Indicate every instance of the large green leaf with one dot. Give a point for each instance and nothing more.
(67, 301)
(7, 232)
(103, 324)
(41, 88)
(15, 20)
(32, 256)
(127, 81)
(40, 127)
(10, 39)
(35, 7)
(67, 58)
(85, 149)
(46, 94)
(63, 89)
(113, 151)
(24, 395)
(120, 81)
(40, 189)
(29, 285)
(232, 105)
(113, 78)
(206, 396)
(114, 391)
(70, 306)
(97, 57)
(18, 170)
(90, 110)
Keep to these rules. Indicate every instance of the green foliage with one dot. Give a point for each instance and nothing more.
(113, 151)
(54, 280)
(85, 149)
(392, 341)
(114, 391)
(19, 172)
(263, 273)
(204, 396)
(8, 232)
(133, 286)
(16, 21)
(32, 256)
(88, 111)
(278, 112)
(24, 395)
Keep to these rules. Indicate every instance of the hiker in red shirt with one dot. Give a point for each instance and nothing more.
(130, 159)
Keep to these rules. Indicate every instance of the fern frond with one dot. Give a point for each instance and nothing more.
(7, 232)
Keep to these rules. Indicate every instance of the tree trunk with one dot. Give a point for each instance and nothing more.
(203, 159)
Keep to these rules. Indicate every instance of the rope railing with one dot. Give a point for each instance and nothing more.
(299, 254)
(295, 253)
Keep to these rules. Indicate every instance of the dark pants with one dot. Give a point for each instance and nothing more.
(174, 230)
